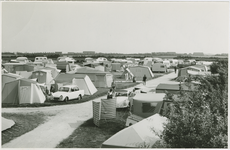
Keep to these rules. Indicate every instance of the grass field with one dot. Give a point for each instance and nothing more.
(23, 124)
(88, 135)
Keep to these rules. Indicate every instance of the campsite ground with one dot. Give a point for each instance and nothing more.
(64, 124)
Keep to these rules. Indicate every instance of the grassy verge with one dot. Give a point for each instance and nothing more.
(90, 136)
(23, 124)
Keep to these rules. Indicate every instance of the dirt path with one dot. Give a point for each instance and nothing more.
(61, 126)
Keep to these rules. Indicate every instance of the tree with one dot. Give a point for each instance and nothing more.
(199, 119)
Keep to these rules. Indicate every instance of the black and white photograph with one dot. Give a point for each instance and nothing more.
(114, 73)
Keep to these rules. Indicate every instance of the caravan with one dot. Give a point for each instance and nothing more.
(41, 59)
(144, 105)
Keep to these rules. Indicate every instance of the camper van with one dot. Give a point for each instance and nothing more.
(101, 59)
(173, 62)
(159, 67)
(20, 60)
(144, 105)
(41, 59)
(167, 63)
(66, 59)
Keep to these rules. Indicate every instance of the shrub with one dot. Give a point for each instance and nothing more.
(199, 119)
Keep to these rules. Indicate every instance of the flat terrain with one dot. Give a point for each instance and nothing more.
(63, 120)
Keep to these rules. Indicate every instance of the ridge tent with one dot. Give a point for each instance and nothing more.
(144, 133)
(140, 71)
(127, 74)
(99, 78)
(81, 80)
(8, 77)
(193, 70)
(22, 91)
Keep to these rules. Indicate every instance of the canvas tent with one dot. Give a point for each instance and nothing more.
(193, 71)
(139, 134)
(22, 91)
(127, 74)
(99, 78)
(140, 71)
(8, 77)
(116, 66)
(81, 80)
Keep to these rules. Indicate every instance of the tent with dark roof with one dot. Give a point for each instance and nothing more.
(99, 78)
(138, 72)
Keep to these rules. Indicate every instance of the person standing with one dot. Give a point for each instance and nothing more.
(144, 79)
(113, 86)
(175, 68)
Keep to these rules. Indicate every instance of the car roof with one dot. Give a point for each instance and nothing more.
(70, 86)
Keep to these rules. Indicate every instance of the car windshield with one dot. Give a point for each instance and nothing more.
(64, 89)
(121, 94)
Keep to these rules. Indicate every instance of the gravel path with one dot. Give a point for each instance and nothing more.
(61, 126)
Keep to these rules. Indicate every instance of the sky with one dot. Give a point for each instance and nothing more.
(115, 27)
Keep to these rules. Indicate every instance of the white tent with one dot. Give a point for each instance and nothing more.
(82, 81)
(144, 133)
(85, 84)
(7, 123)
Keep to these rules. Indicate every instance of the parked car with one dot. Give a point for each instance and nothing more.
(122, 98)
(68, 92)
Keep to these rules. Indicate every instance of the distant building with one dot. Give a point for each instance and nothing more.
(171, 53)
(58, 53)
(89, 52)
(198, 54)
(71, 53)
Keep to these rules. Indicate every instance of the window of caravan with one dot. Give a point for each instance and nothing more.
(148, 107)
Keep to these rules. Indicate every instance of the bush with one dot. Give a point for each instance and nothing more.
(200, 119)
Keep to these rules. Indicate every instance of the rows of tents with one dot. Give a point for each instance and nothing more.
(27, 80)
